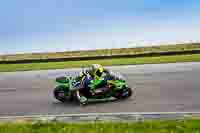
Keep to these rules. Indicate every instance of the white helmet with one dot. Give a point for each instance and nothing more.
(96, 70)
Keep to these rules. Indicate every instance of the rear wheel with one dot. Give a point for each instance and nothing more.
(61, 94)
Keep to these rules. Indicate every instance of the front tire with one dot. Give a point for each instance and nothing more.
(124, 93)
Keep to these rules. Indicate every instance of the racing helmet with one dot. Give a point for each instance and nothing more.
(97, 70)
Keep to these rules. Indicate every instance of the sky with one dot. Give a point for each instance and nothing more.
(63, 25)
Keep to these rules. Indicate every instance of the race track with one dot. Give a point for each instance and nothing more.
(159, 88)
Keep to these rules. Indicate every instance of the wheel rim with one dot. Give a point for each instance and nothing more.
(61, 94)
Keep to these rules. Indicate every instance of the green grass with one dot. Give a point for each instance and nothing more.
(105, 62)
(100, 52)
(170, 126)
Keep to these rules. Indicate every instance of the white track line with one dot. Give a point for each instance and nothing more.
(102, 114)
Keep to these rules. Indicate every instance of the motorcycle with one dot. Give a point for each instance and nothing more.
(103, 89)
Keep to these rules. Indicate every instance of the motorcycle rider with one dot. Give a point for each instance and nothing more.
(95, 71)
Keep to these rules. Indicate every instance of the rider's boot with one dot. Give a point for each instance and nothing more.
(82, 99)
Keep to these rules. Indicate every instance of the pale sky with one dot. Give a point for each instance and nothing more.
(61, 25)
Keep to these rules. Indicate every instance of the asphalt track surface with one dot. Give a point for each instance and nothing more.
(159, 88)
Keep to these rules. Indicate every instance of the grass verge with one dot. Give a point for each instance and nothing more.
(170, 126)
(105, 62)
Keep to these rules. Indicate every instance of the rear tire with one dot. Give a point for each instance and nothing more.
(60, 94)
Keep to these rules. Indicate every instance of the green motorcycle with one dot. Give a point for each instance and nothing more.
(97, 90)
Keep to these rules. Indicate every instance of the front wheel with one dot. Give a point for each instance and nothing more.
(124, 93)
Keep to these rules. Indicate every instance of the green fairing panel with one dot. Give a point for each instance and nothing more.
(97, 83)
(118, 84)
(63, 80)
(63, 85)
